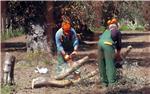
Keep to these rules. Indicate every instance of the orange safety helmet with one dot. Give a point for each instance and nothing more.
(66, 26)
(109, 22)
(113, 21)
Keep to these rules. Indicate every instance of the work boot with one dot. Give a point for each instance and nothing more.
(102, 85)
(113, 86)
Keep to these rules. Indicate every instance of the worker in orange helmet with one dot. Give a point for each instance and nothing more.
(109, 41)
(67, 46)
(112, 21)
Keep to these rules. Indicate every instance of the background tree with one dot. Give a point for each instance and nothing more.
(85, 16)
(146, 13)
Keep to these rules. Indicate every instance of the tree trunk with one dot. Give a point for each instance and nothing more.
(2, 26)
(37, 39)
(146, 14)
(3, 15)
(50, 26)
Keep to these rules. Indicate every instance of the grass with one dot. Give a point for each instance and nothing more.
(140, 28)
(46, 62)
(127, 28)
(124, 28)
(38, 57)
(6, 89)
(11, 33)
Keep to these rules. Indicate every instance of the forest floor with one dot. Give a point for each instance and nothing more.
(25, 70)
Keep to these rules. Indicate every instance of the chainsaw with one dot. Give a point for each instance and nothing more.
(123, 60)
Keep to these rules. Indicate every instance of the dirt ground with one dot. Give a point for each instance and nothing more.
(24, 71)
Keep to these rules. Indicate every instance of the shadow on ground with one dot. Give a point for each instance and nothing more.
(136, 44)
(13, 46)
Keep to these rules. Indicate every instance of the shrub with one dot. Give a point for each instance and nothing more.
(140, 28)
(126, 25)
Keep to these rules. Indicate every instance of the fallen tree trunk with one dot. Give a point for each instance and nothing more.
(76, 65)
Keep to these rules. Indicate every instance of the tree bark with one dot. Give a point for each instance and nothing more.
(3, 15)
(146, 13)
(50, 26)
(78, 64)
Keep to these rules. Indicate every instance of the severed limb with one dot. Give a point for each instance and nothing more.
(43, 81)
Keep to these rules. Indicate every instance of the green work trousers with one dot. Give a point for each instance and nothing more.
(61, 66)
(106, 63)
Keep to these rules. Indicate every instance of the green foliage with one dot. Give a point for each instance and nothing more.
(124, 28)
(140, 28)
(12, 33)
(126, 25)
(131, 28)
(22, 13)
(128, 10)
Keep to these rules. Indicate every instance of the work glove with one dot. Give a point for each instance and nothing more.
(66, 57)
(73, 54)
(117, 56)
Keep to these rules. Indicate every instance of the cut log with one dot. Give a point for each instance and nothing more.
(127, 51)
(76, 65)
(8, 70)
(89, 75)
(93, 73)
(43, 81)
